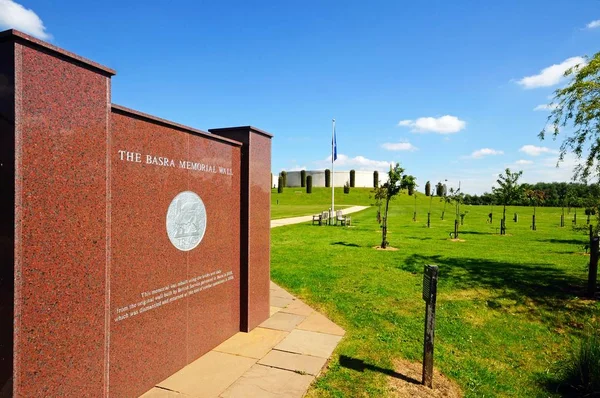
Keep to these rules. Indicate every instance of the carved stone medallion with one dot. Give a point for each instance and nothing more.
(186, 221)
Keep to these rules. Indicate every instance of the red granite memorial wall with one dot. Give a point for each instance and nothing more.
(138, 244)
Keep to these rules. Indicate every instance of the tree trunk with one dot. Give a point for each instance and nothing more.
(385, 220)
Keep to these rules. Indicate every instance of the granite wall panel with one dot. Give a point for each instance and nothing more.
(255, 215)
(158, 323)
(60, 226)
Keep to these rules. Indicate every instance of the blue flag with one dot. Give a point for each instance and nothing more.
(334, 146)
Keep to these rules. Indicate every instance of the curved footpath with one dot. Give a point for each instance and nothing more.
(301, 219)
(279, 358)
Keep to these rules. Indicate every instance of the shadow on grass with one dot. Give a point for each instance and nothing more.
(545, 285)
(359, 365)
(539, 290)
(581, 241)
(345, 244)
(461, 232)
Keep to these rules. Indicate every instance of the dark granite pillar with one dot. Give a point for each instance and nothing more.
(255, 216)
(7, 215)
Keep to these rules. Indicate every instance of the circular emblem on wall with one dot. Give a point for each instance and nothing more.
(186, 220)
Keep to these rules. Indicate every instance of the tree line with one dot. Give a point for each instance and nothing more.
(555, 194)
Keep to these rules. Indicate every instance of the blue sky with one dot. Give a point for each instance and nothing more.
(446, 88)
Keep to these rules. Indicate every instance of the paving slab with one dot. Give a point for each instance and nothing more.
(279, 292)
(298, 307)
(283, 321)
(280, 302)
(294, 362)
(274, 310)
(309, 343)
(157, 392)
(266, 382)
(255, 344)
(209, 375)
(316, 322)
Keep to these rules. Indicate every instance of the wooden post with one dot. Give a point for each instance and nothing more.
(533, 222)
(415, 216)
(593, 271)
(455, 229)
(428, 220)
(562, 220)
(430, 278)
(591, 233)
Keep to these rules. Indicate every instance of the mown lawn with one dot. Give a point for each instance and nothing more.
(509, 307)
(296, 202)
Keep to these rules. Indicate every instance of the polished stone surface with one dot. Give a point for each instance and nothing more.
(116, 281)
(255, 219)
(60, 262)
(150, 346)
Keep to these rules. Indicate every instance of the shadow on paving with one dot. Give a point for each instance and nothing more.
(359, 365)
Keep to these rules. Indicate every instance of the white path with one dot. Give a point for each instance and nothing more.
(301, 219)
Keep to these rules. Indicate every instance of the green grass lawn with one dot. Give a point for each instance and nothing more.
(509, 307)
(296, 202)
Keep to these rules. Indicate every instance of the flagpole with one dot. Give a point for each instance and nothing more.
(332, 173)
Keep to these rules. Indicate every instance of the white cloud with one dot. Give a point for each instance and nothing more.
(357, 162)
(533, 150)
(15, 16)
(399, 146)
(478, 154)
(551, 75)
(546, 107)
(523, 162)
(594, 24)
(446, 124)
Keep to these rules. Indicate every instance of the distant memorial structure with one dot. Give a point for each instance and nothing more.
(130, 245)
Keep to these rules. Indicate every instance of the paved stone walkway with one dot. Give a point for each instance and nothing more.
(279, 358)
(301, 219)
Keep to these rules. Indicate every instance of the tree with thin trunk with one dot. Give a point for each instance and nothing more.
(536, 197)
(379, 193)
(508, 190)
(392, 188)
